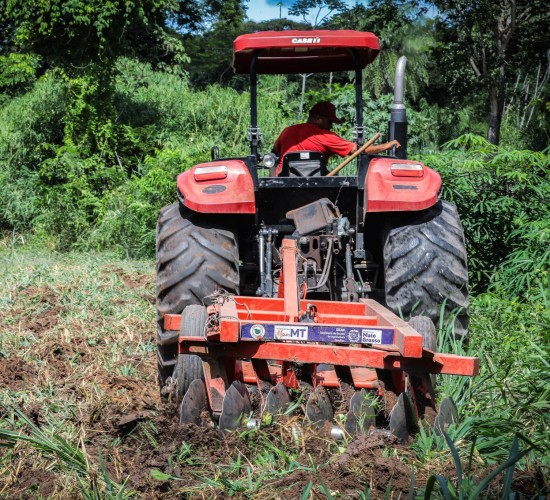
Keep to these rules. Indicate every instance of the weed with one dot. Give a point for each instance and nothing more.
(466, 486)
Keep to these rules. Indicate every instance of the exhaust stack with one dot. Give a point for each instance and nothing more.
(398, 115)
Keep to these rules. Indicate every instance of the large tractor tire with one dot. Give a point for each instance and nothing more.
(189, 366)
(425, 266)
(194, 259)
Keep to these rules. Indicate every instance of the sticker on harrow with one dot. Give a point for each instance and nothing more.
(353, 336)
(257, 331)
(291, 332)
(369, 336)
(318, 333)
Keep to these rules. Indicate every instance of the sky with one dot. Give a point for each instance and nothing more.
(262, 10)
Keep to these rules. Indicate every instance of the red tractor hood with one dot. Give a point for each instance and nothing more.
(293, 51)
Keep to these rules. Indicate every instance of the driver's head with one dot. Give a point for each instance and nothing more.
(323, 114)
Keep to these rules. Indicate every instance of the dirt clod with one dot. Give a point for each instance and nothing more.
(15, 373)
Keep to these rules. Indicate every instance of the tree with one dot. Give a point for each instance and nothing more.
(211, 52)
(401, 28)
(491, 40)
(323, 10)
(81, 40)
(74, 34)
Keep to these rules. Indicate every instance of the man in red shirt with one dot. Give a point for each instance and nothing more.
(315, 135)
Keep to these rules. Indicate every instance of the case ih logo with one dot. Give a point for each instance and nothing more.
(306, 40)
(286, 332)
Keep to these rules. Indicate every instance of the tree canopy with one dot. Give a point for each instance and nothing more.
(103, 102)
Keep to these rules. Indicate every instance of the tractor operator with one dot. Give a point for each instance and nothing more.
(316, 135)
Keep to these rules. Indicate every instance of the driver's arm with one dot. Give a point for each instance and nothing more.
(378, 148)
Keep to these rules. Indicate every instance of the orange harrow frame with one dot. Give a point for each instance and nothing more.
(242, 333)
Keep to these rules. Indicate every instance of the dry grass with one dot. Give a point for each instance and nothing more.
(81, 417)
(77, 353)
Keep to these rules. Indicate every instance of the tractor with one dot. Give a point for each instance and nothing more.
(296, 285)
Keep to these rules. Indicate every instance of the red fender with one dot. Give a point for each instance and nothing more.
(221, 187)
(400, 185)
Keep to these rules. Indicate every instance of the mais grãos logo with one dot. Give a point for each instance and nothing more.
(288, 332)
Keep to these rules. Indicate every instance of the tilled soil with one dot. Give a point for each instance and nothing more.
(103, 389)
(16, 374)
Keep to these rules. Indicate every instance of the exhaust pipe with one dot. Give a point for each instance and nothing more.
(398, 115)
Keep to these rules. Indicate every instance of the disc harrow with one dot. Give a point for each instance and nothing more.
(353, 363)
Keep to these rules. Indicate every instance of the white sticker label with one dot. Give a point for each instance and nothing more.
(371, 336)
(291, 332)
(307, 40)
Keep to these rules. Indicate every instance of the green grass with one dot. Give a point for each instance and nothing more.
(80, 328)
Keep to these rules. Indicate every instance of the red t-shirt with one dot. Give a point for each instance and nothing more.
(310, 137)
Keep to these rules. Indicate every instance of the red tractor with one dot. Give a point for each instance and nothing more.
(304, 274)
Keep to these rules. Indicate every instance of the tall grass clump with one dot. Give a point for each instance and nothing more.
(504, 412)
(94, 480)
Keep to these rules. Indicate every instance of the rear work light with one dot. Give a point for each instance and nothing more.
(407, 169)
(210, 173)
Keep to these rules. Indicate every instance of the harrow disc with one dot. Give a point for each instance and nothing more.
(236, 405)
(446, 415)
(194, 402)
(361, 415)
(277, 399)
(403, 421)
(318, 407)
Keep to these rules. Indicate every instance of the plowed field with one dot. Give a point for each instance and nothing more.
(81, 414)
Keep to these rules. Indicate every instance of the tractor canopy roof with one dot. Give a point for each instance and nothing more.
(294, 51)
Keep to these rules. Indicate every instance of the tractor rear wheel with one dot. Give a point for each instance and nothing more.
(425, 266)
(195, 257)
(425, 327)
(189, 366)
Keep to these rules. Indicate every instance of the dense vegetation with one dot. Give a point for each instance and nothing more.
(103, 104)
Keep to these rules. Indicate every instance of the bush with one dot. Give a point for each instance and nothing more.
(31, 126)
(501, 195)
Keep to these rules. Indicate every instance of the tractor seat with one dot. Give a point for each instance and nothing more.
(304, 164)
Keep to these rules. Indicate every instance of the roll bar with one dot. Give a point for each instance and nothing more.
(254, 131)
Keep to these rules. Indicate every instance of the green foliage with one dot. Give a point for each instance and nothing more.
(78, 44)
(510, 397)
(75, 34)
(30, 127)
(320, 10)
(501, 195)
(17, 73)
